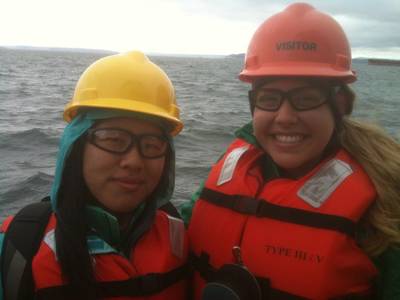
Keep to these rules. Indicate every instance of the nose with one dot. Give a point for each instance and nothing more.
(286, 114)
(132, 159)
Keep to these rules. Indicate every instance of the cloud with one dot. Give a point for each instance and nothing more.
(385, 10)
(153, 26)
(370, 33)
(367, 23)
(181, 26)
(381, 11)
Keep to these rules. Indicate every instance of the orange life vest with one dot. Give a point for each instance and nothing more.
(155, 269)
(296, 234)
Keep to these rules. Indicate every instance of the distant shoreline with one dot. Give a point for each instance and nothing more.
(58, 49)
(384, 62)
(102, 51)
(372, 61)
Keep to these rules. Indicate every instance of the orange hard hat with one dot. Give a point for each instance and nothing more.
(299, 41)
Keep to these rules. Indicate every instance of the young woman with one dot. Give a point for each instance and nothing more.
(305, 203)
(107, 237)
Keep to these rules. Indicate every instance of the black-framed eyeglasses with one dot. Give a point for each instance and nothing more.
(301, 99)
(120, 141)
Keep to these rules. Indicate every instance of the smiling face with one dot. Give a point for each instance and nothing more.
(120, 182)
(294, 139)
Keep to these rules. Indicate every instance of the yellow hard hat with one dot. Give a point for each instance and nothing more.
(130, 82)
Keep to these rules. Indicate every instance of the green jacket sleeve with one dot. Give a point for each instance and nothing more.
(186, 208)
(388, 283)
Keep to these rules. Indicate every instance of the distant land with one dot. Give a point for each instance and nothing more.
(360, 59)
(383, 62)
(238, 55)
(102, 51)
(367, 60)
(59, 49)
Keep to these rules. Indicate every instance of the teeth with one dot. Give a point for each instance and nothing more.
(289, 138)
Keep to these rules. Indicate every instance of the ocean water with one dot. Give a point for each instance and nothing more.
(36, 85)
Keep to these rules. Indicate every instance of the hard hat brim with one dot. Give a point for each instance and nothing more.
(281, 70)
(128, 105)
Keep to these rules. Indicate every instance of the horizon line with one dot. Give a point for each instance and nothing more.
(95, 50)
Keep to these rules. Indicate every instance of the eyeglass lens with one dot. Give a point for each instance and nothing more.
(304, 98)
(121, 141)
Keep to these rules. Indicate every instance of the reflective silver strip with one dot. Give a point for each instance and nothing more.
(176, 236)
(320, 186)
(230, 164)
(50, 240)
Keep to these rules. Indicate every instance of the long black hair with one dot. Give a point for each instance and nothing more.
(71, 229)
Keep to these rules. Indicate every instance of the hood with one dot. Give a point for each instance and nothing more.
(97, 216)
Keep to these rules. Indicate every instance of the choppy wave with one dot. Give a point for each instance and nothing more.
(21, 140)
(35, 86)
(25, 191)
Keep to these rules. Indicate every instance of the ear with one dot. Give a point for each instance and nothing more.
(251, 102)
(345, 98)
(341, 103)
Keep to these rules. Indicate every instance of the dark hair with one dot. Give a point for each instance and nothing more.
(71, 229)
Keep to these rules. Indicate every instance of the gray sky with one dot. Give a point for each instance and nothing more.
(184, 26)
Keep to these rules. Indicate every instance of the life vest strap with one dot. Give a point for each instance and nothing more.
(141, 286)
(265, 209)
(21, 242)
